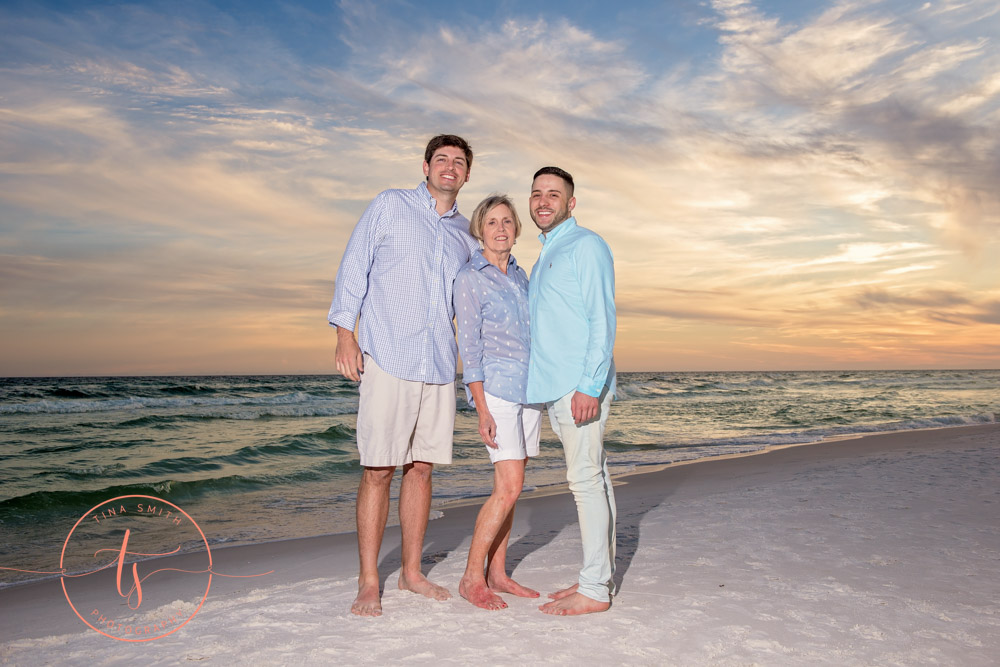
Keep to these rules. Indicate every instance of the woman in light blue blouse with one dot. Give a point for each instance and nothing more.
(491, 310)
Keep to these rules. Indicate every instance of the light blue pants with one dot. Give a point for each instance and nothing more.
(587, 474)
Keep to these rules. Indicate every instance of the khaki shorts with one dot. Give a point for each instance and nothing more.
(401, 421)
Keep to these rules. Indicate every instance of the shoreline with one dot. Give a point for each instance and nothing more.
(263, 460)
(561, 488)
(557, 489)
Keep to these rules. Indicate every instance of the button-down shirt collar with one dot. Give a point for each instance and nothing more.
(479, 262)
(432, 203)
(558, 230)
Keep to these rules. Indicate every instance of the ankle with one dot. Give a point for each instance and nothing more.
(473, 577)
(497, 575)
(411, 574)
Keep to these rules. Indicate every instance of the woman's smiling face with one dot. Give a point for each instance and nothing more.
(498, 229)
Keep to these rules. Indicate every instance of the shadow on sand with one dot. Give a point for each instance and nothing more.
(538, 529)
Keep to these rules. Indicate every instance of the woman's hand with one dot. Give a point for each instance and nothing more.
(487, 427)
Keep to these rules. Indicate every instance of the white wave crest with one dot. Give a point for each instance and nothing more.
(293, 404)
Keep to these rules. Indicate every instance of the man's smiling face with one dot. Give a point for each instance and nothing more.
(550, 203)
(447, 171)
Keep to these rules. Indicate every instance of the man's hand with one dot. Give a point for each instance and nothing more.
(487, 427)
(350, 362)
(583, 407)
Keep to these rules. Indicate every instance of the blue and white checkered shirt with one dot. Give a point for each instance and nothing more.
(491, 309)
(398, 273)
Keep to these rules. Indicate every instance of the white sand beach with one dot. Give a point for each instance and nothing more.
(880, 550)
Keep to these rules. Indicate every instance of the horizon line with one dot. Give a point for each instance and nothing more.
(458, 375)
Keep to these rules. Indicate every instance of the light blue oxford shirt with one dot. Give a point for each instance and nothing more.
(397, 273)
(491, 310)
(571, 300)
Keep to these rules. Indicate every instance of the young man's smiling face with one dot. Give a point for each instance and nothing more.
(447, 172)
(550, 203)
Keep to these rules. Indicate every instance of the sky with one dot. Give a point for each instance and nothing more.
(784, 185)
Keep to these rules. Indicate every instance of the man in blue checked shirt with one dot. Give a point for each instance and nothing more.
(571, 299)
(397, 275)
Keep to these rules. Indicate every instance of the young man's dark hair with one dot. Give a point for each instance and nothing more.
(556, 171)
(443, 140)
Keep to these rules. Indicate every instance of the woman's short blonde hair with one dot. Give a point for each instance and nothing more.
(484, 208)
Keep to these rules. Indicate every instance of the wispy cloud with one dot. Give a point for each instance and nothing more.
(911, 98)
(937, 304)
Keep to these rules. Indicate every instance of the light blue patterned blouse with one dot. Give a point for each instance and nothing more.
(491, 311)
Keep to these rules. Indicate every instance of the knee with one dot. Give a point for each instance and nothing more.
(377, 476)
(418, 471)
(507, 495)
(584, 481)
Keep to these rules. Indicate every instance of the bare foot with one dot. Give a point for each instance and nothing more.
(574, 605)
(368, 602)
(479, 594)
(508, 585)
(559, 595)
(420, 584)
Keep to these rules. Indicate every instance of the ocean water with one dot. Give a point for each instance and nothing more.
(255, 458)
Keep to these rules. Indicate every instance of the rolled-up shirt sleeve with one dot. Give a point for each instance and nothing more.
(469, 326)
(596, 273)
(352, 276)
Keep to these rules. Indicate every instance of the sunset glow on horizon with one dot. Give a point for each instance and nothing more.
(783, 185)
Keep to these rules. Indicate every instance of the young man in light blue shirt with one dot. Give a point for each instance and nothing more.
(571, 299)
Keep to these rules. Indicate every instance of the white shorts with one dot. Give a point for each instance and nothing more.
(519, 429)
(402, 421)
